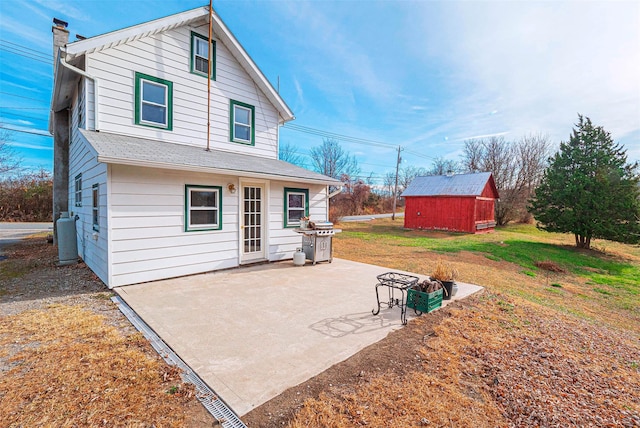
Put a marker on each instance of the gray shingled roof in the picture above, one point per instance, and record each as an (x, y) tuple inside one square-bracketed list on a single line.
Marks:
[(443, 185), (126, 150)]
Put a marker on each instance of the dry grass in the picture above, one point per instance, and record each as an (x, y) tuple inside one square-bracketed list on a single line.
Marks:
[(443, 271), (69, 368), (576, 295), (522, 354)]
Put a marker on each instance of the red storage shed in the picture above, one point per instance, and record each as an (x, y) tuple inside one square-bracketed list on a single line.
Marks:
[(461, 203)]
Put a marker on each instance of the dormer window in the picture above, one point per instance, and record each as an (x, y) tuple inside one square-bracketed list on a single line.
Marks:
[(242, 123), (154, 102), (200, 55)]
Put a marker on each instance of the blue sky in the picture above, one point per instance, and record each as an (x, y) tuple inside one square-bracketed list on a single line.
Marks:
[(425, 75)]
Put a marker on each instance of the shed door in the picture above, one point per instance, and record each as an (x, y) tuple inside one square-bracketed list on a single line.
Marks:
[(252, 235)]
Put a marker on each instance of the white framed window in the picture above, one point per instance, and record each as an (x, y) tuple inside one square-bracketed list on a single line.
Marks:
[(78, 190), (200, 55), (203, 208), (95, 207), (296, 206), (242, 122), (154, 102)]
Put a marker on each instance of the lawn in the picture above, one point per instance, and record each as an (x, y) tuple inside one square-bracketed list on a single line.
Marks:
[(602, 285), (537, 348)]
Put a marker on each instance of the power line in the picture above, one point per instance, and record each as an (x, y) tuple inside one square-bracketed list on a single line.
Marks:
[(21, 116), (46, 55), (22, 96), (342, 137), (357, 140), (308, 155), (39, 132), (24, 108), (420, 155), (8, 49)]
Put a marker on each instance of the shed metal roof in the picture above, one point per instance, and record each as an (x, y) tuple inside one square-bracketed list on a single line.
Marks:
[(135, 151), (448, 185)]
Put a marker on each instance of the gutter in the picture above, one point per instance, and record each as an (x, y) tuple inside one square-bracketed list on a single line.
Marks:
[(90, 77), (335, 193), (206, 169)]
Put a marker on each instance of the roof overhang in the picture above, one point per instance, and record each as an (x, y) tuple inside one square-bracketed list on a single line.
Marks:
[(141, 152), (213, 170)]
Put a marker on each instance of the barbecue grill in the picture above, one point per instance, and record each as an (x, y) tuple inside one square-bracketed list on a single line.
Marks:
[(317, 241)]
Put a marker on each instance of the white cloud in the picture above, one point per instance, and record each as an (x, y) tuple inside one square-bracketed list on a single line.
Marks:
[(299, 94), (31, 146), (26, 33), (64, 9), (473, 137), (345, 68), (538, 64), (19, 122)]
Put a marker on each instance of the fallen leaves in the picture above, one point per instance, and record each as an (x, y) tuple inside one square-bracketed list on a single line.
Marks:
[(66, 367), (497, 362)]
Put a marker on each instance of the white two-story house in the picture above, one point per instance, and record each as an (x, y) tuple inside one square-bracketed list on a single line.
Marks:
[(129, 118)]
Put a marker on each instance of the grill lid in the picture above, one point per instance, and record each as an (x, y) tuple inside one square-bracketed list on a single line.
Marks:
[(321, 225)]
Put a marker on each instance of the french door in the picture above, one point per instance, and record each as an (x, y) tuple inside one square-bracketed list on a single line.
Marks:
[(252, 223)]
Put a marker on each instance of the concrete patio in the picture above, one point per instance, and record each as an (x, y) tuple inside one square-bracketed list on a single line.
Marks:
[(253, 332)]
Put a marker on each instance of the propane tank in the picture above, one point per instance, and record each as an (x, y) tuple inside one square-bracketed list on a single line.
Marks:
[(67, 244), (299, 257)]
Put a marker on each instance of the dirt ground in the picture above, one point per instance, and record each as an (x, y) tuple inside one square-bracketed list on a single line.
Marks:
[(36, 295), (489, 361), (32, 281)]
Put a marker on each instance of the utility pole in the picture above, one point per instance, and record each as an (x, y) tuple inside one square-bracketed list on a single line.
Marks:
[(395, 190)]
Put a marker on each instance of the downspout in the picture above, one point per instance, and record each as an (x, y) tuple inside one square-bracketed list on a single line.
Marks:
[(95, 86), (335, 193), (331, 195)]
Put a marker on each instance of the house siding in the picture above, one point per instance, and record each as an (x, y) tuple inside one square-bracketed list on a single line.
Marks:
[(148, 239), (92, 245), (284, 241), (142, 235), (166, 56), (147, 220)]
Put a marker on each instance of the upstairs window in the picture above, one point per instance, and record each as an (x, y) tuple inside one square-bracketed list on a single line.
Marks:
[(78, 190), (296, 206), (242, 123), (203, 208), (154, 102), (200, 55)]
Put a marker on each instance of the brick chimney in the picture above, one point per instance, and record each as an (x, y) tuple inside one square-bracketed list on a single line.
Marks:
[(60, 38), (60, 130)]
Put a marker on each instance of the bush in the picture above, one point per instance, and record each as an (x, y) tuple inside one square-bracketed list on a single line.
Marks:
[(27, 197)]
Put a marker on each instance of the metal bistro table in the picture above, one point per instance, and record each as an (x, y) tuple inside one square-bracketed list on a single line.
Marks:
[(395, 281)]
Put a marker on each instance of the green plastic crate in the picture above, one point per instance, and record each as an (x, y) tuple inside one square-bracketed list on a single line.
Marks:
[(424, 302)]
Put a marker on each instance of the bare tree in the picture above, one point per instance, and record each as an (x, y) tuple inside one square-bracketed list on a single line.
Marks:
[(533, 152), (289, 153), (442, 166), (331, 160), (389, 181), (9, 159), (407, 175), (472, 157), (516, 167)]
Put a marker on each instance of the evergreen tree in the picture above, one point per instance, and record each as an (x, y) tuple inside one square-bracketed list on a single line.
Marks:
[(589, 189)]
